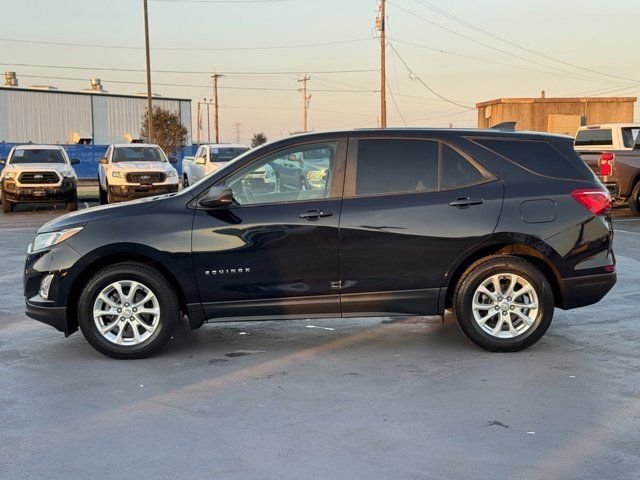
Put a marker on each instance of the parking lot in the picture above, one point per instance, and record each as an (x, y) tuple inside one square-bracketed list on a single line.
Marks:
[(342, 398)]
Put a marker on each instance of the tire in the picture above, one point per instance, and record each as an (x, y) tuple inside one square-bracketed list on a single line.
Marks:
[(110, 198), (7, 206), (634, 199), (514, 333), (72, 205), (103, 196), (153, 330), (185, 181)]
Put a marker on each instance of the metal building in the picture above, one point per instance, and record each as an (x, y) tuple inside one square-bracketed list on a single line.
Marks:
[(48, 115), (555, 115)]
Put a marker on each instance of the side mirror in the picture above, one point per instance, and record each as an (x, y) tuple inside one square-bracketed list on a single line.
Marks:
[(173, 160), (218, 196), (2, 161), (103, 160), (75, 161), (201, 160)]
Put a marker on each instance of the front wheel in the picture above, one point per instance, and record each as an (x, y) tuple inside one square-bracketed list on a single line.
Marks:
[(7, 206), (634, 199), (72, 205), (503, 304), (185, 181), (128, 311)]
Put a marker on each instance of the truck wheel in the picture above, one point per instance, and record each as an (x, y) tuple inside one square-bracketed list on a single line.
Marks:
[(110, 198), (503, 303), (72, 205), (7, 206), (634, 199), (128, 311), (103, 195), (185, 181)]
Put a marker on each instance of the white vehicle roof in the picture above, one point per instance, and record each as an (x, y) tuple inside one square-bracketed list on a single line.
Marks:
[(224, 145), (135, 145), (609, 125), (38, 147)]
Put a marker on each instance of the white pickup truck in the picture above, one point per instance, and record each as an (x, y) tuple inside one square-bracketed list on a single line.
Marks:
[(608, 136), (38, 174), (135, 170), (208, 159)]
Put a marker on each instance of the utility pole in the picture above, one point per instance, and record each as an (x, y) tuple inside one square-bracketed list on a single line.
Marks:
[(306, 98), (208, 121), (148, 55), (216, 119), (237, 126), (380, 26), (199, 125)]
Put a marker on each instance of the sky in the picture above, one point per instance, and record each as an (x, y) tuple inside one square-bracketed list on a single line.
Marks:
[(460, 52)]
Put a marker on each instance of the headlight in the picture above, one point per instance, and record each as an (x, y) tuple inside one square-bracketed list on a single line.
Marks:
[(46, 240), (8, 175), (67, 173), (118, 174), (171, 173)]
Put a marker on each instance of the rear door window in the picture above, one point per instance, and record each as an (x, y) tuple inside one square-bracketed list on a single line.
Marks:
[(457, 171), (600, 136), (630, 136), (388, 166), (538, 156)]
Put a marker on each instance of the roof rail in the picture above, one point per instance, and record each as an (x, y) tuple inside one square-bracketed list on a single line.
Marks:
[(505, 126)]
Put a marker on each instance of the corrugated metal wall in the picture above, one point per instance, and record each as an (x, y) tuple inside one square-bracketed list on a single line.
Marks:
[(53, 117)]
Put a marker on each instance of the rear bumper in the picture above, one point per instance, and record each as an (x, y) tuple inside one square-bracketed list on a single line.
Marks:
[(587, 290)]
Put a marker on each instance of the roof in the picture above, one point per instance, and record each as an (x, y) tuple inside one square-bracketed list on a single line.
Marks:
[(609, 125), (134, 145), (498, 101), (91, 93), (223, 145), (33, 146)]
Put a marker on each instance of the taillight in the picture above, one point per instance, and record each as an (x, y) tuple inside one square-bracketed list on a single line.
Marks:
[(606, 163), (596, 201)]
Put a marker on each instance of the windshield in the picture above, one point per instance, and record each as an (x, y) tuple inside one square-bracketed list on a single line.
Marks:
[(630, 136), (37, 156), (222, 155), (137, 154), (594, 137)]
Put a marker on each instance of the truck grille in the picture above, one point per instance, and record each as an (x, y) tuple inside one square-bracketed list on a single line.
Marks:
[(38, 178), (146, 178)]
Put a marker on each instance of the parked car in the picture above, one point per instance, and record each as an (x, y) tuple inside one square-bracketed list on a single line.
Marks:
[(618, 169), (38, 174), (135, 170), (608, 136), (501, 227), (208, 159)]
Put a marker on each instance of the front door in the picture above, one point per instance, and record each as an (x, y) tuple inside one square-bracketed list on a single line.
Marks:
[(411, 208), (274, 252)]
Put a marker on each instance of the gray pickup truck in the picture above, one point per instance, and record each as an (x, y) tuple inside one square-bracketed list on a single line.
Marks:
[(619, 171)]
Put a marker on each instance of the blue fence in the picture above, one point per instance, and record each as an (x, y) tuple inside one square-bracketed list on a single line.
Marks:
[(89, 155)]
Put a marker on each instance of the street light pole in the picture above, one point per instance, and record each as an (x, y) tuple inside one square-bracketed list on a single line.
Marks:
[(146, 46)]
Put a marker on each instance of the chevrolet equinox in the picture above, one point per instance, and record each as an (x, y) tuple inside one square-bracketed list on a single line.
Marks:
[(501, 227)]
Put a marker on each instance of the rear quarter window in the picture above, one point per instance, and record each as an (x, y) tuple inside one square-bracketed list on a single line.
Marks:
[(541, 157)]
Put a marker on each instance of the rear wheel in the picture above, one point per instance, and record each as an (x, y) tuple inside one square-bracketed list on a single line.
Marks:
[(634, 199), (503, 303), (7, 206), (128, 311)]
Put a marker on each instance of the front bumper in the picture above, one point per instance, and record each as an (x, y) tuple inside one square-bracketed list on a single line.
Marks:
[(15, 192), (586, 290), (45, 312), (140, 191)]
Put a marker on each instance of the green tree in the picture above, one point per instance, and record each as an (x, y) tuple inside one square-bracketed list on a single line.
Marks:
[(168, 130), (258, 139)]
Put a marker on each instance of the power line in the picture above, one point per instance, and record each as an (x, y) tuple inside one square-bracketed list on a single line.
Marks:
[(112, 69), (220, 1), (395, 104), (513, 44), (414, 77), (186, 49), (486, 45)]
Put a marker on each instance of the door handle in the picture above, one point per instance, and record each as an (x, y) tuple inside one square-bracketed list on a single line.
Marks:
[(315, 214), (466, 202)]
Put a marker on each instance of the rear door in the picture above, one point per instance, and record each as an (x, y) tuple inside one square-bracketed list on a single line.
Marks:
[(411, 208)]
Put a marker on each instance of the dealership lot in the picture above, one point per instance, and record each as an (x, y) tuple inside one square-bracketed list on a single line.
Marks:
[(375, 398)]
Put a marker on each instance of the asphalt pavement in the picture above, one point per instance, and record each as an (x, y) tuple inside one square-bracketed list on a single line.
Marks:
[(323, 399)]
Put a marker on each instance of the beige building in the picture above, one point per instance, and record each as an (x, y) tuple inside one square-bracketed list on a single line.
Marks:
[(555, 115)]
